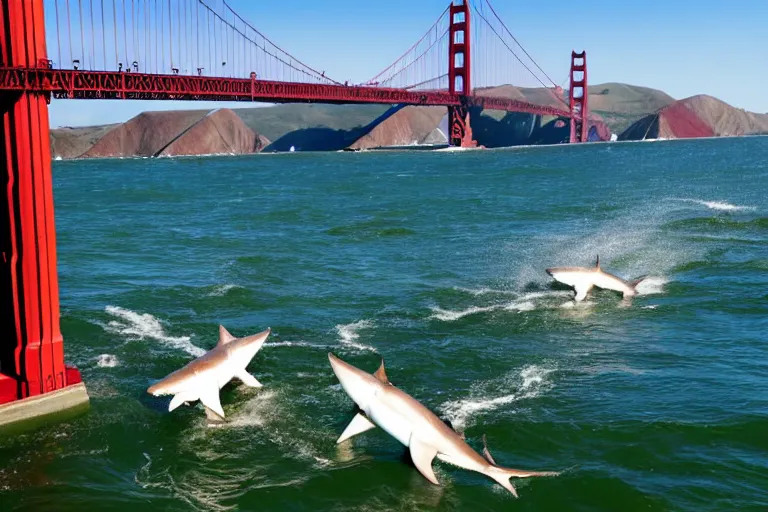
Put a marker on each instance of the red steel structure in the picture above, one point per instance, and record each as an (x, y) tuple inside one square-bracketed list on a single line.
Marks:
[(31, 347), (579, 97), (459, 75), (191, 50)]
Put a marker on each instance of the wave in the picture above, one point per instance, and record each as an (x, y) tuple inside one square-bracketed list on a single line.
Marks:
[(222, 289), (107, 361), (633, 243), (483, 291), (652, 285), (490, 395), (139, 326), (349, 333), (717, 205), (522, 303), (306, 344), (449, 316)]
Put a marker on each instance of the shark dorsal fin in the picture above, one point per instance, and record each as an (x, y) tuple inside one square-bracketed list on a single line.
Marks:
[(381, 374), (224, 336), (486, 453), (597, 263)]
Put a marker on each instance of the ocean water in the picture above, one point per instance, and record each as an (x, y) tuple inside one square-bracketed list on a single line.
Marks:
[(435, 262)]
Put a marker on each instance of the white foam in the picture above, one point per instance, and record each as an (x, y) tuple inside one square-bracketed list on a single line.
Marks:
[(545, 295), (651, 285), (530, 382), (349, 333), (222, 289), (525, 302), (718, 205), (450, 316), (521, 306), (107, 361), (278, 344), (139, 326), (484, 291), (631, 242), (256, 412)]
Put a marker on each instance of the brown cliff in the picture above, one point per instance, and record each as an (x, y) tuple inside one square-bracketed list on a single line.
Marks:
[(219, 132), (407, 126), (145, 135)]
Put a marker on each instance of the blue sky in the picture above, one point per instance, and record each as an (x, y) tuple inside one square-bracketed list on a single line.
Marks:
[(683, 47)]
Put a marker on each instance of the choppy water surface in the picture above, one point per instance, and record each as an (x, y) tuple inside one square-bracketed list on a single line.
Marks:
[(436, 262)]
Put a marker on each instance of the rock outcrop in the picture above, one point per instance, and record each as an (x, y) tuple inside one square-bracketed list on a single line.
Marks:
[(144, 135), (168, 133), (219, 132), (406, 126)]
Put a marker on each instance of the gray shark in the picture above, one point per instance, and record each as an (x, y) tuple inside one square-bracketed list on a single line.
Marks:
[(583, 279), (202, 378), (427, 436)]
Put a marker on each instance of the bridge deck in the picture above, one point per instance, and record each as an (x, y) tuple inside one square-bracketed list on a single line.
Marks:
[(79, 84)]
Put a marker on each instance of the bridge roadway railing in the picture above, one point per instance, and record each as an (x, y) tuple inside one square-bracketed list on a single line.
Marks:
[(80, 84)]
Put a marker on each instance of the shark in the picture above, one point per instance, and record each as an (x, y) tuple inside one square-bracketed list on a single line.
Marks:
[(202, 378), (380, 403), (583, 279)]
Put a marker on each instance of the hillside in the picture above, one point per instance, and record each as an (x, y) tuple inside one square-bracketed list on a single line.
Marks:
[(636, 111), (70, 142), (219, 132), (144, 135), (620, 105), (407, 125), (697, 116), (311, 127)]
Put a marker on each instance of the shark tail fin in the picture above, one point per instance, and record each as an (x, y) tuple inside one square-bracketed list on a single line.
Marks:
[(597, 262), (633, 286), (637, 281), (502, 474)]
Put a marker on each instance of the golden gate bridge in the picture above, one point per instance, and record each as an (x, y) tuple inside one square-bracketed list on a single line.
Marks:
[(199, 50)]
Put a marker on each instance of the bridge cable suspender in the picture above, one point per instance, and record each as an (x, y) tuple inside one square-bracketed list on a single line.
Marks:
[(58, 34), (518, 42)]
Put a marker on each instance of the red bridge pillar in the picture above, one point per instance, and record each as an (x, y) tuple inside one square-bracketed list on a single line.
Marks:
[(579, 97), (459, 74), (31, 347)]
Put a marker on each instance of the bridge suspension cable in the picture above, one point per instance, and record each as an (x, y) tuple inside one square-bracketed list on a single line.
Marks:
[(172, 37), (424, 66), (500, 59)]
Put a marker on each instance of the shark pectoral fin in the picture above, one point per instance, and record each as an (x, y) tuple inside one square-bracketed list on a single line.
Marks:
[(210, 398), (422, 455), (212, 416), (581, 291), (179, 399), (248, 379), (487, 453), (358, 425)]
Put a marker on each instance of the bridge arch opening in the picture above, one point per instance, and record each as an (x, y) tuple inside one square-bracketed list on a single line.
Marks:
[(458, 60), (459, 84)]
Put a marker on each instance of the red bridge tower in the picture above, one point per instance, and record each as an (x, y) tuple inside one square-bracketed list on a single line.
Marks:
[(579, 97), (33, 378), (459, 74)]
